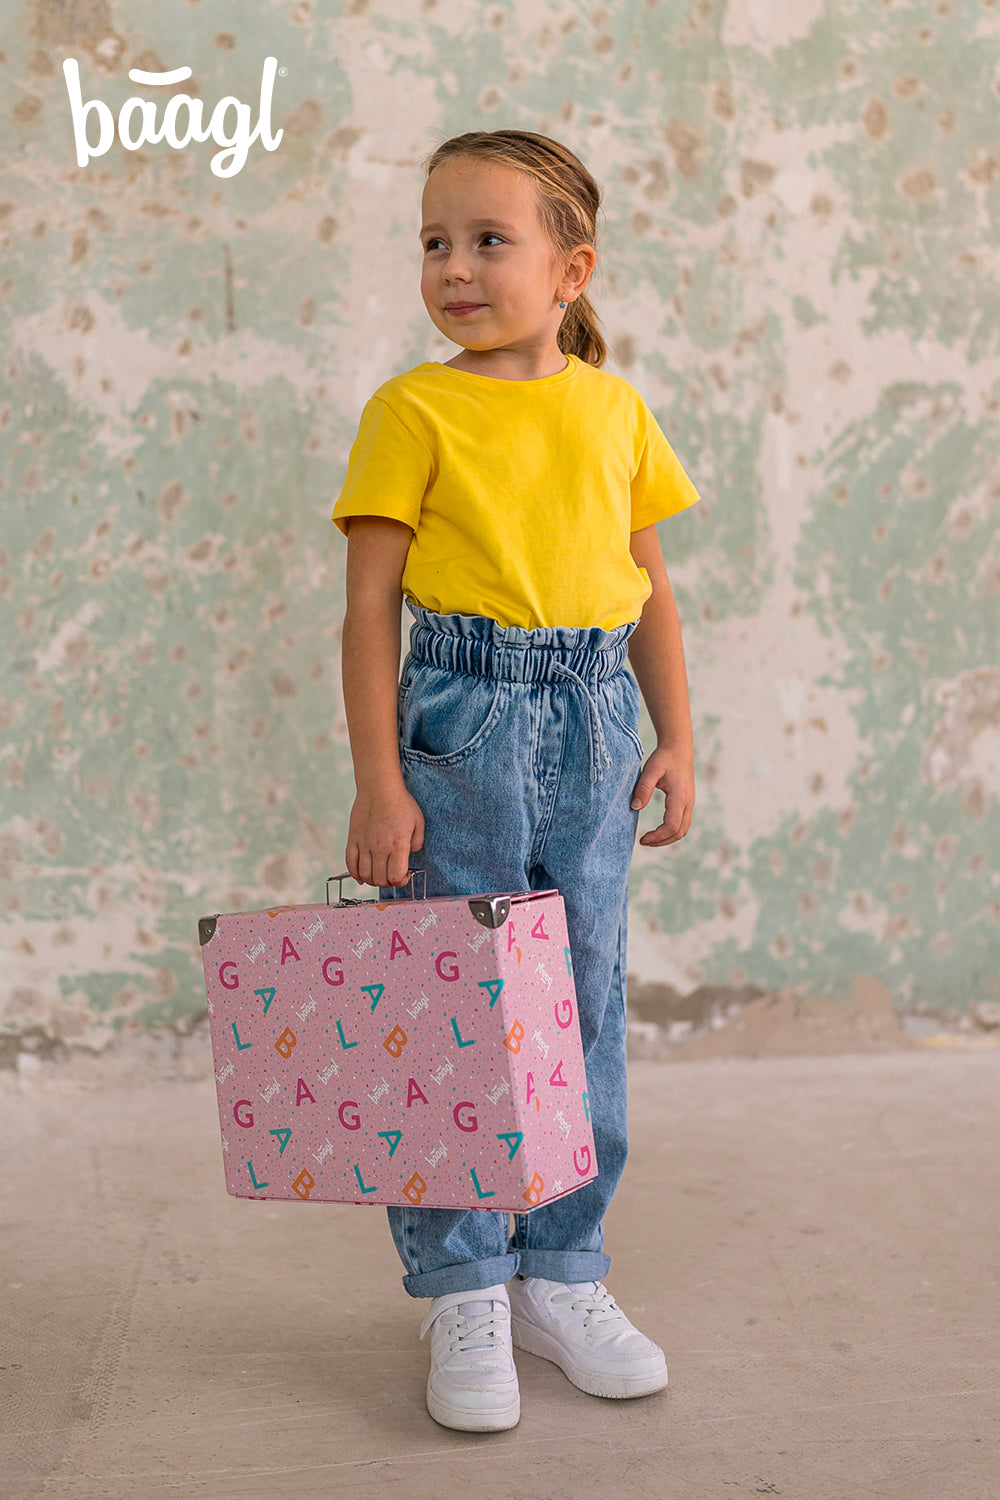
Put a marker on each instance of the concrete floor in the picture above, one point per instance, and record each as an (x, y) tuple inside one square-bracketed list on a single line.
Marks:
[(812, 1240)]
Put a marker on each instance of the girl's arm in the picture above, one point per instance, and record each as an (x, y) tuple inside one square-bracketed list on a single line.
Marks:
[(386, 823), (656, 654), (655, 649)]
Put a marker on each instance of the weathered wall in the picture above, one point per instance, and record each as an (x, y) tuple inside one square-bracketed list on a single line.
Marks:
[(798, 269)]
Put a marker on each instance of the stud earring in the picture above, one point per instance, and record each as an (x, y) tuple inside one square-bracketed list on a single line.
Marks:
[(562, 304)]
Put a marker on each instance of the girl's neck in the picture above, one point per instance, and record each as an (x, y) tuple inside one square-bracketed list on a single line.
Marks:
[(504, 367)]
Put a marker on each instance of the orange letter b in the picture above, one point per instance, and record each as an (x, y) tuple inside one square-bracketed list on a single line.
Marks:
[(303, 1184), (533, 1192), (415, 1188), (514, 1037), (395, 1042), (286, 1042)]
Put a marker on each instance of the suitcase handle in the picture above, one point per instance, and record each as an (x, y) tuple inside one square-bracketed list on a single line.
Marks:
[(346, 901)]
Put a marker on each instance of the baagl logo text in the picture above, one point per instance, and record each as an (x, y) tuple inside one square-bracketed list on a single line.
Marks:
[(236, 145)]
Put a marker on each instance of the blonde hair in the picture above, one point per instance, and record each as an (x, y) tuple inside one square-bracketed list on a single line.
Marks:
[(567, 202)]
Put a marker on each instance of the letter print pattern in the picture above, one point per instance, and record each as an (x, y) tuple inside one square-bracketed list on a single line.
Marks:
[(399, 1053)]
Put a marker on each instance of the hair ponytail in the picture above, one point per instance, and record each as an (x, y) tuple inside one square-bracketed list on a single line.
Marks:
[(568, 200)]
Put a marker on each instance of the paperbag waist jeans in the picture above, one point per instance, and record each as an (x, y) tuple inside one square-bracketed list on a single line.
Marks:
[(521, 748)]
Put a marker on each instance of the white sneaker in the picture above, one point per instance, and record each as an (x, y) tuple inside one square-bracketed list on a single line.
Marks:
[(473, 1380), (581, 1328)]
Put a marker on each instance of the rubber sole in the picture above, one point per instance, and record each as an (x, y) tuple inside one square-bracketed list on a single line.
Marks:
[(616, 1387), (462, 1420)]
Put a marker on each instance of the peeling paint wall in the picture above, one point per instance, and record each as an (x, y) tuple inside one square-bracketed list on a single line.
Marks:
[(798, 269)]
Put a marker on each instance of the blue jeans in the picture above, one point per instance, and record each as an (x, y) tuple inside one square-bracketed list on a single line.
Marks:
[(521, 749)]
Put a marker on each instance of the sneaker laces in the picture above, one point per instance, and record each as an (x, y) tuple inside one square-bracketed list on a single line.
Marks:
[(481, 1330), (471, 1330), (594, 1299)]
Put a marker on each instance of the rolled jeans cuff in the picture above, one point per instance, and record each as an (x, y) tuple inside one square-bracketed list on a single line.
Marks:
[(467, 1276), (565, 1265)]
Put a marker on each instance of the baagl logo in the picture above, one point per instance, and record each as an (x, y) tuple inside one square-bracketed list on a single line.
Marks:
[(236, 145)]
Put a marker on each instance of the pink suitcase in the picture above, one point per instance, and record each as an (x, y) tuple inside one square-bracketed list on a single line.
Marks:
[(399, 1052)]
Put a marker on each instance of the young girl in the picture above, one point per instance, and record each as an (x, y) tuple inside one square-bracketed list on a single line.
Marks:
[(512, 495)]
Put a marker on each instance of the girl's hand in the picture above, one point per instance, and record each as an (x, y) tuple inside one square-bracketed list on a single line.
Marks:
[(671, 769), (386, 827)]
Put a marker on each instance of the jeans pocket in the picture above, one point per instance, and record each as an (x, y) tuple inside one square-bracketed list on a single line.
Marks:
[(623, 707), (446, 716)]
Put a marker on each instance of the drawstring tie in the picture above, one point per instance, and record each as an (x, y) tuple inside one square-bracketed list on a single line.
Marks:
[(599, 757)]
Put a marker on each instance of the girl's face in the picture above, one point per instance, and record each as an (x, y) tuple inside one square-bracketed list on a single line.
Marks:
[(483, 244)]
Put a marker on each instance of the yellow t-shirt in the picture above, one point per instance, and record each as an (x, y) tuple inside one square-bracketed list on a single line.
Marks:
[(521, 494)]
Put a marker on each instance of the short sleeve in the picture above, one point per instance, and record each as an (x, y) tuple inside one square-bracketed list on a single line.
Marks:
[(388, 469), (660, 487)]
